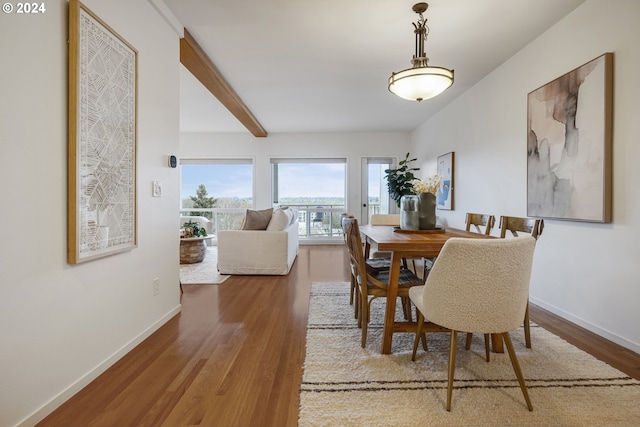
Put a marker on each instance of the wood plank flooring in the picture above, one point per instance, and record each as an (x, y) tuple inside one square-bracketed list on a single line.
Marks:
[(234, 356)]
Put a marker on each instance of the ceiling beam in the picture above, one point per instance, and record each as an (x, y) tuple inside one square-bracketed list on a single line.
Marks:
[(194, 58)]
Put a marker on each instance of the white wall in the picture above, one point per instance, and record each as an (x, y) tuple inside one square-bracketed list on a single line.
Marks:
[(61, 324), (352, 146), (587, 273)]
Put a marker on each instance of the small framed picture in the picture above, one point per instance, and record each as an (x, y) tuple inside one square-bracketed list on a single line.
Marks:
[(445, 192)]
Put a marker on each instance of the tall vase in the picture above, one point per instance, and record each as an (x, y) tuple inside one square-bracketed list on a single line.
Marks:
[(427, 209), (409, 213)]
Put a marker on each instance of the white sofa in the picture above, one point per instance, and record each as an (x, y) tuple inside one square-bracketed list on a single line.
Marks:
[(271, 251)]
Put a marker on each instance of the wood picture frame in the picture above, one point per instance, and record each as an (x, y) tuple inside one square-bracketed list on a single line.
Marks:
[(103, 73), (569, 145), (445, 168)]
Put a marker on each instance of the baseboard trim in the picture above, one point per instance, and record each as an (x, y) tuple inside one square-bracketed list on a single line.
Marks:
[(46, 409), (635, 347)]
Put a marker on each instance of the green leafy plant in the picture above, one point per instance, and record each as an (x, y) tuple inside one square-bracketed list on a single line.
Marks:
[(196, 229), (399, 180)]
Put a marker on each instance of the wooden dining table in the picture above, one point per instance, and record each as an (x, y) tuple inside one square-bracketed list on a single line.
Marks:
[(409, 244)]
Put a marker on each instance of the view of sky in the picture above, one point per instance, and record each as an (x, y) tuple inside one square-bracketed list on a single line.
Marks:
[(311, 180), (376, 184), (231, 180), (235, 180)]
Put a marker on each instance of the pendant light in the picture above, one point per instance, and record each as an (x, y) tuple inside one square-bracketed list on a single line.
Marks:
[(421, 81)]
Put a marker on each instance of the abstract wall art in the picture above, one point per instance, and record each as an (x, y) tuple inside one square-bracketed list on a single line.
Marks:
[(569, 131), (102, 139), (444, 198)]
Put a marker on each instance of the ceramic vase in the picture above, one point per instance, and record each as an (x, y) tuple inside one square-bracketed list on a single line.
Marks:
[(409, 214), (427, 211)]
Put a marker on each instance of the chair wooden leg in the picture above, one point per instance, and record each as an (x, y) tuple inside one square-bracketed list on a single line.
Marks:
[(418, 335), (406, 309), (487, 339), (424, 342), (516, 368), (467, 344), (357, 307), (452, 367), (527, 331), (364, 318), (352, 290)]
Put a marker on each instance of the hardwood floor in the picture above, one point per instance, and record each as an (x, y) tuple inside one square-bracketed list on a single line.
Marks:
[(615, 355), (234, 356)]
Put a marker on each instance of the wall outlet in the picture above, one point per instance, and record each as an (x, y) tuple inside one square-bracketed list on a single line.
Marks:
[(156, 287)]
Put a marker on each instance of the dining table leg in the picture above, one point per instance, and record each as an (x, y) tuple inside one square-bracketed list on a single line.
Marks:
[(497, 343), (392, 294)]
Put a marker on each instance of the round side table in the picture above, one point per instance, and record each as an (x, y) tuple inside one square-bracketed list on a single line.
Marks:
[(193, 249)]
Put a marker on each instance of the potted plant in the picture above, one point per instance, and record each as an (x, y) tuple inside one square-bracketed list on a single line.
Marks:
[(194, 229), (399, 180)]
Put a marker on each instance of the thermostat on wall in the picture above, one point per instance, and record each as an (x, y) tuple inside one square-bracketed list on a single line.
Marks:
[(173, 161)]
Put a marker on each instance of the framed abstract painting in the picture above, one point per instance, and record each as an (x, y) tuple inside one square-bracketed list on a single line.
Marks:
[(569, 138), (102, 139), (444, 198)]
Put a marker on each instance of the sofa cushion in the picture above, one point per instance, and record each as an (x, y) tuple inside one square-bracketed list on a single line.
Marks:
[(257, 220), (280, 219)]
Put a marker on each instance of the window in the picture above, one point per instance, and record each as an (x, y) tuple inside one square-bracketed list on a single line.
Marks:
[(316, 188), (219, 189)]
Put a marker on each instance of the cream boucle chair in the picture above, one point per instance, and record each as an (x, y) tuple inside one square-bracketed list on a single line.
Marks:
[(383, 219), (392, 220), (476, 221), (477, 285), (534, 227)]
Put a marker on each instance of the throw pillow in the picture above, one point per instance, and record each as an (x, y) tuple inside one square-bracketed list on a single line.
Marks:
[(257, 220), (279, 220), (293, 215)]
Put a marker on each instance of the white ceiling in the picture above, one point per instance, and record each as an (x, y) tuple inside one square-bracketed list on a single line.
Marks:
[(323, 65)]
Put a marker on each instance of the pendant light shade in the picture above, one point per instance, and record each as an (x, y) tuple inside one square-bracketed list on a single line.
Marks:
[(421, 81)]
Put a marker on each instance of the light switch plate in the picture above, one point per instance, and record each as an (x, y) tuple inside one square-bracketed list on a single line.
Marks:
[(157, 189)]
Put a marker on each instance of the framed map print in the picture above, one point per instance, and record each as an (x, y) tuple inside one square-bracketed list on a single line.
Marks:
[(102, 139)]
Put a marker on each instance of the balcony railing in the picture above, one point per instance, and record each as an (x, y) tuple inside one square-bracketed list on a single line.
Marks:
[(314, 222)]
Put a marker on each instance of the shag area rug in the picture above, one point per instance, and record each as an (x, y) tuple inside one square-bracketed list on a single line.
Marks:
[(346, 385), (203, 273)]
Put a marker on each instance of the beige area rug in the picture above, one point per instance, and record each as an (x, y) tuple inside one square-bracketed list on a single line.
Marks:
[(346, 385), (203, 273)]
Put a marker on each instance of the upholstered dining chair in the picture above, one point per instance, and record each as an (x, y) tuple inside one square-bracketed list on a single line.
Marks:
[(383, 219), (473, 223), (517, 225), (374, 284), (477, 285)]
